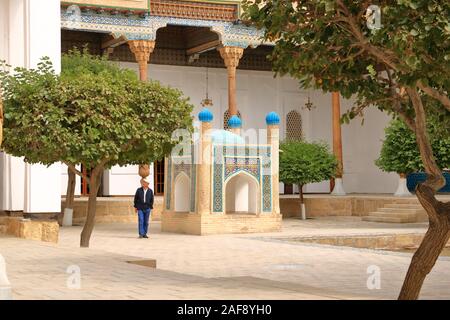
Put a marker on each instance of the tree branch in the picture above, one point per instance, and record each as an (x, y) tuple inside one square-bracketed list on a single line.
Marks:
[(77, 172), (435, 178), (397, 103), (386, 56), (442, 98)]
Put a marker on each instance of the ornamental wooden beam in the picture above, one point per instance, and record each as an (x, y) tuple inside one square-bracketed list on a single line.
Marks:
[(203, 47), (112, 43)]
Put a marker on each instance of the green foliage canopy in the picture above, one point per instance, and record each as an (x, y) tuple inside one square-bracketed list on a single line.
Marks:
[(327, 44), (302, 162), (94, 113), (400, 152)]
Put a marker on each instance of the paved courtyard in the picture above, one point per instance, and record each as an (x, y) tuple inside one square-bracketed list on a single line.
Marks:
[(251, 266)]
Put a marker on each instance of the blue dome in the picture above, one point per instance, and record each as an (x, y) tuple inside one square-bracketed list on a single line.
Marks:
[(234, 122), (205, 115), (226, 137), (272, 119)]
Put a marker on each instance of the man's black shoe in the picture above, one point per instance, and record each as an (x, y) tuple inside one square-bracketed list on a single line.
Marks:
[(146, 237)]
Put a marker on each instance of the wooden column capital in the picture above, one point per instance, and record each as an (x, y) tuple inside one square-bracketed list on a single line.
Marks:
[(231, 56), (142, 49)]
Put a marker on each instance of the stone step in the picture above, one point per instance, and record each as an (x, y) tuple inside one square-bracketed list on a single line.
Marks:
[(400, 210), (412, 200), (403, 206), (388, 219), (393, 214)]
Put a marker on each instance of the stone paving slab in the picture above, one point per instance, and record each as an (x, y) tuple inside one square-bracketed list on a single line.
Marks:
[(255, 266), (39, 271)]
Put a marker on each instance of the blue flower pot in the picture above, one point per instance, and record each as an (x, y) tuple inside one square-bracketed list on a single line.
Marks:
[(415, 178)]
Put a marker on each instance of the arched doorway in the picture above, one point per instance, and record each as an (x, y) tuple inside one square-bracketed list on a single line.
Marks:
[(242, 195), (182, 193)]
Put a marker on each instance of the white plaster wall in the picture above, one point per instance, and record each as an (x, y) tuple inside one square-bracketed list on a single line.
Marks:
[(361, 147), (4, 29), (260, 93), (43, 35), (182, 193), (241, 194), (12, 175), (121, 181), (25, 38), (65, 180)]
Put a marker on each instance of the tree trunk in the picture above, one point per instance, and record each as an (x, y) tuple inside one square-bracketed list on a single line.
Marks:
[(302, 202), (67, 216), (300, 193), (70, 194), (94, 184), (433, 243), (438, 232)]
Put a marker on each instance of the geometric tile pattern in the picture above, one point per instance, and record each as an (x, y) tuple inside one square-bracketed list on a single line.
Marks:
[(254, 160), (145, 28)]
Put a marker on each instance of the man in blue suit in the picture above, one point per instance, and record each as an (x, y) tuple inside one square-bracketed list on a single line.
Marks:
[(143, 204)]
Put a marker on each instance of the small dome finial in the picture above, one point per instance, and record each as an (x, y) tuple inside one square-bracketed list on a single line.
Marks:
[(234, 122), (272, 119), (205, 115)]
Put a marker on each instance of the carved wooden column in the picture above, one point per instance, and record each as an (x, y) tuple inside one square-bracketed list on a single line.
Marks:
[(142, 49), (231, 57), (337, 143)]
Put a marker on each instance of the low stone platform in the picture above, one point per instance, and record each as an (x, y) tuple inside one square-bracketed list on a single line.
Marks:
[(41, 230), (196, 224), (112, 210), (370, 241), (120, 209), (322, 205)]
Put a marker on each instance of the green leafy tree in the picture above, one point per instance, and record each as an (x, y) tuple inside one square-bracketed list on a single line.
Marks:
[(399, 152), (97, 119), (302, 163), (395, 66)]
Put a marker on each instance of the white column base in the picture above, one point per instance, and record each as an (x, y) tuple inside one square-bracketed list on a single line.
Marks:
[(68, 217), (402, 189), (303, 209), (5, 286), (338, 188)]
